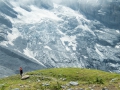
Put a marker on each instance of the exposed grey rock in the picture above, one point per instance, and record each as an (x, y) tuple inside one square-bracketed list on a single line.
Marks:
[(105, 88), (73, 83), (38, 80), (63, 79), (46, 84), (63, 86), (113, 80), (81, 89), (16, 89), (69, 89)]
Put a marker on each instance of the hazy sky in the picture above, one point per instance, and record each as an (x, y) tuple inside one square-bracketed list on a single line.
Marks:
[(65, 2)]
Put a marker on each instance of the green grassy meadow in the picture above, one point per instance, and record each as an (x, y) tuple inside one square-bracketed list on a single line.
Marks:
[(60, 78)]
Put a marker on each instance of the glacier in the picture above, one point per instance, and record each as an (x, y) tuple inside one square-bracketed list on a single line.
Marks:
[(39, 34)]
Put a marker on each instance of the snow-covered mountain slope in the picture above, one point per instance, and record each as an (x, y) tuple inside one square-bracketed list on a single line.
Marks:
[(56, 33)]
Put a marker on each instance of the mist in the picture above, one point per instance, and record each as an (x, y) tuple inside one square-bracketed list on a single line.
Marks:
[(70, 3), (88, 2), (64, 2)]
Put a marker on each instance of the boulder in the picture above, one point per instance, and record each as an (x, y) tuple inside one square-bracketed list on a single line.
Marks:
[(73, 83), (25, 77)]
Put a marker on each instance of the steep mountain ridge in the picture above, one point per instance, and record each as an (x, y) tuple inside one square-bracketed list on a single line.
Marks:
[(60, 34), (11, 60)]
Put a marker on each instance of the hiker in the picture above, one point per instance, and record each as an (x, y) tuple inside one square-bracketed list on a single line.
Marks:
[(21, 71)]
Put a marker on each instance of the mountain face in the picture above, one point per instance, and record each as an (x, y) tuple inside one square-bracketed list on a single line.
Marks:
[(40, 34)]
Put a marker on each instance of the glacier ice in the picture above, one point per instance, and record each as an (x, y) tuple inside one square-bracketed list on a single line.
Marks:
[(59, 33)]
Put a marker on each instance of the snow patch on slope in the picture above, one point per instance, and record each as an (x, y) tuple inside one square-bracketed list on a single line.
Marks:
[(96, 49), (31, 54), (71, 42), (117, 46), (36, 15), (11, 37), (117, 31), (47, 47)]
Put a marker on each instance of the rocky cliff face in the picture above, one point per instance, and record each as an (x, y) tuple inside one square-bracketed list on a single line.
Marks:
[(49, 34)]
